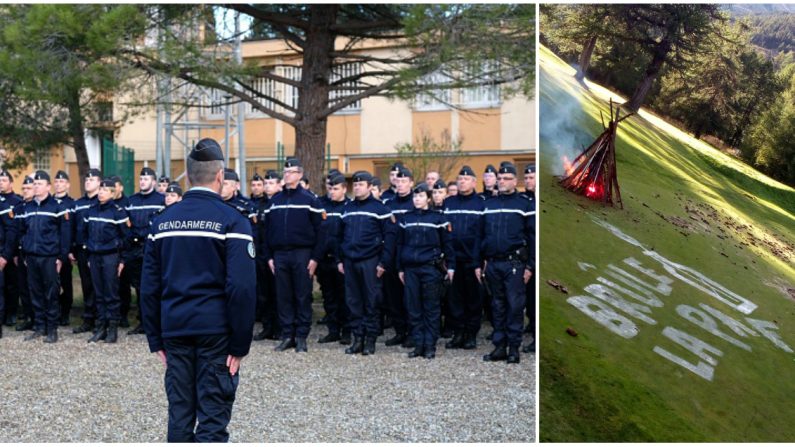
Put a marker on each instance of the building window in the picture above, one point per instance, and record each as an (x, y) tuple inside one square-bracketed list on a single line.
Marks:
[(41, 161), (290, 92), (435, 98), (347, 88), (104, 112), (486, 95), (214, 107), (266, 87)]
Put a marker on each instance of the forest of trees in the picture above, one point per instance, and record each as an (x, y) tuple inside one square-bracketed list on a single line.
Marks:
[(728, 73)]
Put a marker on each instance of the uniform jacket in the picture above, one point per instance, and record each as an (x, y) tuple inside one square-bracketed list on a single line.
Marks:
[(8, 230), (388, 194), (79, 210), (509, 224), (331, 224), (44, 228), (423, 238), (106, 230), (399, 206), (363, 229), (292, 220), (465, 214), (198, 273), (141, 208), (245, 208), (12, 198)]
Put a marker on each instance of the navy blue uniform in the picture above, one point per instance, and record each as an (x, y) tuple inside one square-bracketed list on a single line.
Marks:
[(106, 234), (79, 211), (8, 235), (293, 237), (394, 306), (11, 284), (66, 297), (198, 301), (21, 268), (465, 213), (361, 249), (424, 255), (388, 194), (266, 282), (509, 249), (140, 207), (45, 236), (332, 282), (530, 289)]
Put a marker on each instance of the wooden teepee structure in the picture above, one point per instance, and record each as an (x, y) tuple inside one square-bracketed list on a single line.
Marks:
[(593, 173)]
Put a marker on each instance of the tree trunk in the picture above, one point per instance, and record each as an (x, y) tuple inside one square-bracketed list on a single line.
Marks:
[(661, 52), (737, 136), (585, 58), (313, 98), (77, 132)]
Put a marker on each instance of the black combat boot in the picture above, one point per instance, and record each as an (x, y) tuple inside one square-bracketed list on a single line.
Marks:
[(457, 342), (139, 329), (330, 338), (285, 344), (430, 352), (346, 338), (64, 320), (408, 342), (34, 335), (100, 332), (357, 347), (52, 335), (396, 340), (369, 346), (417, 352), (263, 334), (498, 354), (530, 347), (87, 326), (25, 325), (113, 332), (300, 345), (513, 354), (470, 340)]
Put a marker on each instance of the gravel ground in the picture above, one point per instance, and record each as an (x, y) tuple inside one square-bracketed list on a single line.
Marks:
[(78, 392)]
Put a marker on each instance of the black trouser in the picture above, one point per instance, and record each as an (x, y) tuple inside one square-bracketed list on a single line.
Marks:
[(2, 297), (423, 293), (43, 282), (104, 274), (393, 304), (131, 276), (199, 388), (506, 281), (362, 296), (332, 286), (266, 299), (66, 297), (89, 306), (11, 289), (23, 289), (293, 292), (465, 303)]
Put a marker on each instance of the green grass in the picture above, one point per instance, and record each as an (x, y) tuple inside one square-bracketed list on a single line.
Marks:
[(598, 386)]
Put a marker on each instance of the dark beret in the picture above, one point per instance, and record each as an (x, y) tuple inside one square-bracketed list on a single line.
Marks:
[(207, 149), (273, 175), (163, 179), (41, 175), (146, 170), (440, 184), (5, 173), (362, 176), (292, 162), (490, 168), (108, 182), (507, 168), (256, 178), (376, 182), (230, 174), (27, 180), (466, 170), (422, 187), (405, 172), (174, 187), (93, 172), (396, 166), (529, 169), (115, 178), (62, 175), (336, 179)]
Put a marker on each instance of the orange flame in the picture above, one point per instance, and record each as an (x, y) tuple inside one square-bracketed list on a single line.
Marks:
[(567, 166)]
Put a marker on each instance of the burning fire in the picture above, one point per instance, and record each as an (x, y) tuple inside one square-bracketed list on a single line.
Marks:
[(567, 166)]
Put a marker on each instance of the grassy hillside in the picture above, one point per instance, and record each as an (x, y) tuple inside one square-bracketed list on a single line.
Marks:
[(689, 204)]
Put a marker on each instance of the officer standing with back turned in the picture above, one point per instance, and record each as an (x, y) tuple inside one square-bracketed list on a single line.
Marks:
[(199, 297)]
